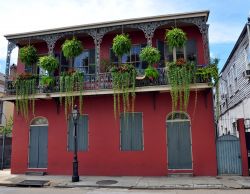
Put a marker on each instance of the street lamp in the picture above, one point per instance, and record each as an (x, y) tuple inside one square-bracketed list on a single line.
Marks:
[(75, 115)]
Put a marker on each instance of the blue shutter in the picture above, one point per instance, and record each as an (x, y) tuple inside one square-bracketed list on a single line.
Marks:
[(191, 51), (82, 134), (136, 131), (131, 132)]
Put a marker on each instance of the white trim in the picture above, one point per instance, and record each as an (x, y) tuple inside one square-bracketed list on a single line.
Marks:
[(164, 88)]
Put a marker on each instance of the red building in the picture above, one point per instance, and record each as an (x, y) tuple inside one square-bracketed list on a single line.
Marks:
[(157, 142)]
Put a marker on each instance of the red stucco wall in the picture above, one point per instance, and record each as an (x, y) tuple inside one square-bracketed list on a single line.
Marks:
[(104, 156)]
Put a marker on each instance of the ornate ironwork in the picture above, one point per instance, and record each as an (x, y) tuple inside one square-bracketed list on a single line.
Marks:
[(200, 22), (51, 41), (10, 47)]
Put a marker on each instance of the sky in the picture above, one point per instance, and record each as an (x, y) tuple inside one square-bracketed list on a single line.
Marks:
[(227, 17)]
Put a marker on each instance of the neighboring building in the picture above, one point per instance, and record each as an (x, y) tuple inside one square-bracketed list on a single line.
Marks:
[(158, 142), (6, 108), (235, 85)]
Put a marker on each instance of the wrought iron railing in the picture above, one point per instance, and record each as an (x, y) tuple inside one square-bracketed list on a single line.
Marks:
[(102, 81)]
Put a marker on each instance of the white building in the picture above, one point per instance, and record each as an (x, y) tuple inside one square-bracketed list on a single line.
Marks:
[(235, 85)]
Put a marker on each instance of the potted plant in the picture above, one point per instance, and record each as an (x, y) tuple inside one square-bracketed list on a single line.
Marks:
[(151, 55), (28, 55), (48, 63), (71, 49), (176, 38), (151, 73), (47, 82)]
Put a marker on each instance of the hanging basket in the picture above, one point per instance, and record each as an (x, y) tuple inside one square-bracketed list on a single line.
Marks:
[(121, 44), (28, 55), (72, 48), (176, 38)]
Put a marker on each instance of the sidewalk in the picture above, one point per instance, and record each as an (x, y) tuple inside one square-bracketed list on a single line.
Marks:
[(132, 182)]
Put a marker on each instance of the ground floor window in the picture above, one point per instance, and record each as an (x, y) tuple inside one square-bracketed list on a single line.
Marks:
[(82, 133), (131, 131)]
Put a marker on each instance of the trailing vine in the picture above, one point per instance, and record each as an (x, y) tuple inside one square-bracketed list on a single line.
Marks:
[(123, 76), (123, 84), (180, 78), (210, 73), (25, 90), (70, 82)]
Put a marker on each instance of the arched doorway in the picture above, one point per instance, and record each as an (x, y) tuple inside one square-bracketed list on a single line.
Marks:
[(179, 145), (38, 143)]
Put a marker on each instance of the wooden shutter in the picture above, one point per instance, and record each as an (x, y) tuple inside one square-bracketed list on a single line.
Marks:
[(131, 131), (82, 134)]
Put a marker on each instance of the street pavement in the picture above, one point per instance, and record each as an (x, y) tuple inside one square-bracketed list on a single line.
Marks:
[(15, 190)]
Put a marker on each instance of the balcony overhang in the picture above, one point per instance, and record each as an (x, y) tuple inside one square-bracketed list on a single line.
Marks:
[(161, 89)]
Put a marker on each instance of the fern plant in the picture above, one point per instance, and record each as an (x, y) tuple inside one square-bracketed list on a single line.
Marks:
[(175, 37), (49, 63), (28, 55)]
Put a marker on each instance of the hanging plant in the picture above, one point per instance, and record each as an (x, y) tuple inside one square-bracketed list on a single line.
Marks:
[(151, 73), (69, 83), (48, 63), (175, 38), (25, 86), (121, 45), (210, 73), (124, 84), (28, 55), (72, 48), (180, 78), (150, 55)]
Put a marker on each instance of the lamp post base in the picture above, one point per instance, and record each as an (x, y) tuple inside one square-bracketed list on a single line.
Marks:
[(75, 177)]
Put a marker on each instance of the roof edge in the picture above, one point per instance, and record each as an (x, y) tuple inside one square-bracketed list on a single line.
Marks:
[(204, 13)]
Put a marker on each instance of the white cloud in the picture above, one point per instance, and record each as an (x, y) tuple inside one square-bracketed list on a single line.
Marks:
[(224, 32)]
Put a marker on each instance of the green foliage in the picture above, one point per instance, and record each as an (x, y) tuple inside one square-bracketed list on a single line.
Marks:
[(69, 83), (7, 128), (180, 78), (175, 38), (28, 55), (25, 90), (47, 80), (150, 54), (121, 45), (151, 72), (72, 48), (124, 83), (49, 63), (211, 74)]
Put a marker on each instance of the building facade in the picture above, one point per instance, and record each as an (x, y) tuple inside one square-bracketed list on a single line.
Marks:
[(235, 86), (107, 146)]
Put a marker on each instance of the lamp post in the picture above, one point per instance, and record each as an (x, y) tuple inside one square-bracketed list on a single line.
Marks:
[(75, 115)]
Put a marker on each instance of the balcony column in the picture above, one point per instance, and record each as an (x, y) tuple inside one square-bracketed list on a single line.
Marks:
[(203, 27), (10, 47), (204, 31), (149, 29), (51, 41), (97, 35)]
